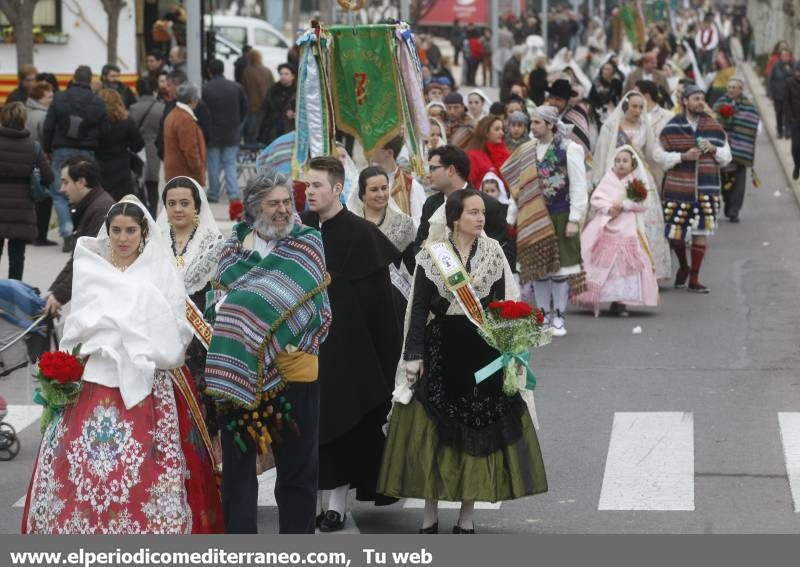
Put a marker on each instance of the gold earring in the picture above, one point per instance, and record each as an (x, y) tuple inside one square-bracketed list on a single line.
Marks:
[(141, 245), (196, 218)]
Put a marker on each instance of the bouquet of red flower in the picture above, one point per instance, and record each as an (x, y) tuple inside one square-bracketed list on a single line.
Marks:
[(637, 192), (235, 210), (59, 377), (513, 328)]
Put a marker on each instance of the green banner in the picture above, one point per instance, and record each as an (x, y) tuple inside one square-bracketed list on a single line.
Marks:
[(365, 84)]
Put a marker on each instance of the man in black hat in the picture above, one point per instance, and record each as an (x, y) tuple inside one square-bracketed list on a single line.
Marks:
[(459, 124), (561, 95)]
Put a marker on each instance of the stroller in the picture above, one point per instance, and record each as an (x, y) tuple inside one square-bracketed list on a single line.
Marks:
[(32, 334)]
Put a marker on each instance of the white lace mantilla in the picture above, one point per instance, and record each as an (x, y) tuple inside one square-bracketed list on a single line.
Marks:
[(488, 265), (398, 228), (201, 260)]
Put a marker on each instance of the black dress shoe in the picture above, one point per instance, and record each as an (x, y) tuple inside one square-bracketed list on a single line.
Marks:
[(432, 529), (332, 522), (698, 288), (459, 530), (69, 244), (734, 218), (45, 243), (796, 173)]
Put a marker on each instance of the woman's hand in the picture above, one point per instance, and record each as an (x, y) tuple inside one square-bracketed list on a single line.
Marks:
[(414, 370)]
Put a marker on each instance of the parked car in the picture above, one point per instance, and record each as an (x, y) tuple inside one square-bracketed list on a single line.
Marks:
[(257, 33)]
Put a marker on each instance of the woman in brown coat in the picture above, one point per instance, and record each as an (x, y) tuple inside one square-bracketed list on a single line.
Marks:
[(17, 213)]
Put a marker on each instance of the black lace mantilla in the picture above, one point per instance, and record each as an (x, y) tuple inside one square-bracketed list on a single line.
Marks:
[(478, 425)]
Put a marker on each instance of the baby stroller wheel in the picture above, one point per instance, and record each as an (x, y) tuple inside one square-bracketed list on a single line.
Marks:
[(9, 442)]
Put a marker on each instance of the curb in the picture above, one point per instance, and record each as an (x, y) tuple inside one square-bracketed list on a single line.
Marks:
[(765, 109)]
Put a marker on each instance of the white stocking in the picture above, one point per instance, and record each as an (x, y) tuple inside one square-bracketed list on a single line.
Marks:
[(431, 515), (542, 290), (560, 295), (338, 501), (466, 514), (321, 495)]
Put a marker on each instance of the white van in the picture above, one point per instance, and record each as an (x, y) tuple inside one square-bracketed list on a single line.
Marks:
[(257, 33)]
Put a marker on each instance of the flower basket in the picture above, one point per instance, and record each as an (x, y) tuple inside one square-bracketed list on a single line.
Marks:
[(512, 328), (58, 375)]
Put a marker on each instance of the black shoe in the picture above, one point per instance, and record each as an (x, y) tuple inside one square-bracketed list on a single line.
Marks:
[(320, 517), (734, 218), (432, 529), (681, 277), (459, 530), (45, 243), (698, 288), (69, 244), (796, 173), (332, 522)]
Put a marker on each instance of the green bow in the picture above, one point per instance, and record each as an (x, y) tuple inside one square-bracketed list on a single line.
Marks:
[(503, 361)]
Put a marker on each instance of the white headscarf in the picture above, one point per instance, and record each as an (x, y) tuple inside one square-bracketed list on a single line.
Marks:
[(487, 103), (442, 131), (204, 249), (129, 323), (604, 151)]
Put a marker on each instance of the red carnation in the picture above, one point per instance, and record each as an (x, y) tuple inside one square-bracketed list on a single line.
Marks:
[(727, 110), (540, 316), (60, 367), (235, 210), (524, 309), (496, 305)]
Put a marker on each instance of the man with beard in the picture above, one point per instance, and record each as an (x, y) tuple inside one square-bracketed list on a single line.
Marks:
[(547, 178), (691, 189), (270, 313), (359, 358)]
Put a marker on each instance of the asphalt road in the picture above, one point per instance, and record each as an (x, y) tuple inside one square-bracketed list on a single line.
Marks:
[(707, 376)]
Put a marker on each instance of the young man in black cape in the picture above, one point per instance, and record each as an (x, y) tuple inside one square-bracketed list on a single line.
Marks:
[(357, 361)]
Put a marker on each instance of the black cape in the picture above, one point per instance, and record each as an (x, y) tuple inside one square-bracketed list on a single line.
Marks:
[(357, 361)]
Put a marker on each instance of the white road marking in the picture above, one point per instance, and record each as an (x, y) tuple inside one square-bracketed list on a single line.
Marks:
[(789, 423), (419, 503), (21, 416), (650, 462)]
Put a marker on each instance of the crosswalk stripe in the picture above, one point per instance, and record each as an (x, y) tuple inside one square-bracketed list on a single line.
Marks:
[(790, 438), (21, 416), (650, 462), (418, 503)]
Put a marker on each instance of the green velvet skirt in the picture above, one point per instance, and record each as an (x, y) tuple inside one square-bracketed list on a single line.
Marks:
[(416, 465)]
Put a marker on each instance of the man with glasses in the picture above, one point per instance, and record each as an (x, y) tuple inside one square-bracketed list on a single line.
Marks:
[(270, 313)]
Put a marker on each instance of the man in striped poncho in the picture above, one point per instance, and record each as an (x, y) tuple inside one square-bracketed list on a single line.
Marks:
[(740, 119), (691, 189)]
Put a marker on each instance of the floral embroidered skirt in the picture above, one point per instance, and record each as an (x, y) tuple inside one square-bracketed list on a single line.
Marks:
[(104, 469)]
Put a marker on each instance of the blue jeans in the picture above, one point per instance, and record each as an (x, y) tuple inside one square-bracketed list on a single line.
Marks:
[(251, 127), (222, 159), (60, 202)]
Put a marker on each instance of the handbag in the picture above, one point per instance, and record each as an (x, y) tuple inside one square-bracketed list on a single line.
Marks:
[(137, 164), (39, 191)]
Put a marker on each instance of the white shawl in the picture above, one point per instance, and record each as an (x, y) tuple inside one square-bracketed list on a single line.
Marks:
[(129, 323)]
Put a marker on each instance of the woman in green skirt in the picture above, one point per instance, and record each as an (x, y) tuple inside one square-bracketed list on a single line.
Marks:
[(450, 438)]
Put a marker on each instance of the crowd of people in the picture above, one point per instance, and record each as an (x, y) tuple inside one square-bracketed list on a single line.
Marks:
[(592, 180)]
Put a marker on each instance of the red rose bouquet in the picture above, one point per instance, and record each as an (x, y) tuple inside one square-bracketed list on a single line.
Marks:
[(636, 192), (513, 328), (58, 375)]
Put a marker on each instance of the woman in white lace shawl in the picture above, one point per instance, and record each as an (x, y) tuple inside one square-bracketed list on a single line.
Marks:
[(372, 200), (630, 124), (443, 425), (187, 225)]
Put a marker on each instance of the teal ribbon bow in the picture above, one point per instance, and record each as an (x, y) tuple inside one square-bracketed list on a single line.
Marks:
[(502, 361)]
